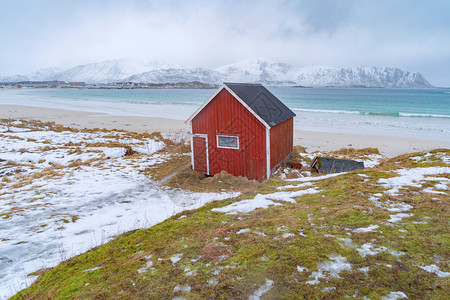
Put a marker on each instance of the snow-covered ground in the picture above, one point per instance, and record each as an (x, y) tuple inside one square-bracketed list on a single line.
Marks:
[(63, 193)]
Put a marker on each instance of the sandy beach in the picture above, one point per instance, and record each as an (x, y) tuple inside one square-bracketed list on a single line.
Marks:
[(321, 141)]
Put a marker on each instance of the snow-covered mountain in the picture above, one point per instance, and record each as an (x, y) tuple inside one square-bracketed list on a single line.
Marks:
[(259, 71), (252, 71), (106, 71), (110, 70), (173, 75), (273, 73)]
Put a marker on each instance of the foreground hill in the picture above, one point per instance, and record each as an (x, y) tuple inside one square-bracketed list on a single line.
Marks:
[(380, 232), (64, 191), (252, 71)]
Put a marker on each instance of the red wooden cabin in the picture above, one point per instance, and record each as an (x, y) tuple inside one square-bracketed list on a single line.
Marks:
[(242, 129)]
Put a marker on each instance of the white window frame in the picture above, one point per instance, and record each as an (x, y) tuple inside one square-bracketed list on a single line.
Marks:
[(218, 136)]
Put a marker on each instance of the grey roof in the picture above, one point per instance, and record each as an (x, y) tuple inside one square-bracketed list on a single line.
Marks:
[(334, 165), (262, 102)]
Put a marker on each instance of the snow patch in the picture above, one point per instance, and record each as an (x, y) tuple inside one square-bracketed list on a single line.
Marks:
[(150, 147), (293, 186), (245, 206), (113, 152), (93, 269), (369, 249), (398, 217), (182, 288), (316, 178), (435, 270), (399, 207), (263, 201), (347, 243), (262, 290), (189, 272), (410, 177), (395, 296), (302, 269), (330, 269), (364, 270), (372, 160), (147, 266), (328, 289), (176, 258), (431, 191), (288, 235), (366, 229)]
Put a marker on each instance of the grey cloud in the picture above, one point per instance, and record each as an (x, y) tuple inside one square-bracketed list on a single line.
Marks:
[(408, 34)]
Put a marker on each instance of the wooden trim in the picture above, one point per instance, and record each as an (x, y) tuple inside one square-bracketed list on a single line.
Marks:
[(235, 96), (268, 152), (192, 149)]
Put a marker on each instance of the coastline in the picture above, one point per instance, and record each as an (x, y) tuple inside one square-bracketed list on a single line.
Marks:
[(311, 140)]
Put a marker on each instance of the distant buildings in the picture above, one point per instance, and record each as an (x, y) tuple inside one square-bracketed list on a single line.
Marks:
[(43, 84), (116, 85)]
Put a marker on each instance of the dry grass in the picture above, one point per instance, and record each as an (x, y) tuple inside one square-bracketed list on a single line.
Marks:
[(172, 164), (176, 171), (404, 160), (174, 145), (54, 171), (48, 148), (177, 148), (211, 245), (356, 153), (296, 155), (226, 181), (299, 149), (214, 251), (37, 125), (11, 163), (11, 137), (188, 179)]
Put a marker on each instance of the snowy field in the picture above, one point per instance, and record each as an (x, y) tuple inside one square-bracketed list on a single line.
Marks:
[(62, 193)]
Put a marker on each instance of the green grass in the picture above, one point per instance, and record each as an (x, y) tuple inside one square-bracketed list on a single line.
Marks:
[(217, 262)]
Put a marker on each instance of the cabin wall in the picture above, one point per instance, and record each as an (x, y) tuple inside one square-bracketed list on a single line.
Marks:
[(281, 142), (226, 115)]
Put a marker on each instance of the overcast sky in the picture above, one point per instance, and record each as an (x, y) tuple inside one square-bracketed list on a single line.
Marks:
[(411, 35)]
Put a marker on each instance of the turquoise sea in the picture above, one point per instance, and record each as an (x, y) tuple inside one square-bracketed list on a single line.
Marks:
[(415, 113)]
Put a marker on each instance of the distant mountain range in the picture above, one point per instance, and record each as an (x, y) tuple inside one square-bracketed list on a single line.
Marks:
[(251, 71)]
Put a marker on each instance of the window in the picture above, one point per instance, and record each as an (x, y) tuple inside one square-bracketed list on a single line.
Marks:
[(227, 141)]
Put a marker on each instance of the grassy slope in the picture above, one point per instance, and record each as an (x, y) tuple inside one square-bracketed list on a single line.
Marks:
[(217, 262)]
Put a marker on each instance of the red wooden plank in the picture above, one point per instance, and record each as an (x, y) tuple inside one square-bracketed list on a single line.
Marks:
[(281, 142)]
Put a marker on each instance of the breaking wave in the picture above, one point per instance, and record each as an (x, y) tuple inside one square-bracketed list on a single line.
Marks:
[(423, 115), (385, 114), (327, 111)]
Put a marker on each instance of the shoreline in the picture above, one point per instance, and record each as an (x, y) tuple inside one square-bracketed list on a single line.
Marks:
[(311, 140)]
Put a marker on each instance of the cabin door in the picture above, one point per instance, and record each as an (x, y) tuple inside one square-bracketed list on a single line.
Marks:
[(200, 159)]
